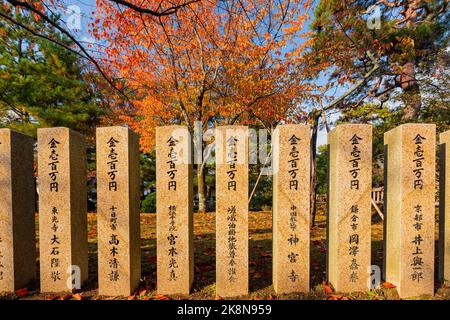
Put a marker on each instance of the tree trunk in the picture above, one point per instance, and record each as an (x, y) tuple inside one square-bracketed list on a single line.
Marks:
[(411, 93), (201, 188), (313, 192)]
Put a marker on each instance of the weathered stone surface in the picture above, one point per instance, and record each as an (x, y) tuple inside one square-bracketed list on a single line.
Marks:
[(118, 208), (291, 218), (232, 211), (349, 207), (410, 208), (62, 209), (174, 220), (444, 208), (17, 211)]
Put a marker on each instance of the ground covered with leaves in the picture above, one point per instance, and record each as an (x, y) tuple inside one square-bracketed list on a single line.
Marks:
[(260, 264)]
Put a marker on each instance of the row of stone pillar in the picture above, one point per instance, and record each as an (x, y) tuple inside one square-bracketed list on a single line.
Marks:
[(63, 243), (409, 209)]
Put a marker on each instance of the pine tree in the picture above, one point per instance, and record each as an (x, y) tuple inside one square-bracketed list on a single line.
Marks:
[(43, 84)]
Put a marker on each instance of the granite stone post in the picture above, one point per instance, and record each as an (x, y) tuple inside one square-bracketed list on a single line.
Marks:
[(291, 216), (444, 208), (410, 208), (17, 211), (118, 209), (62, 209), (349, 207), (174, 219), (232, 277)]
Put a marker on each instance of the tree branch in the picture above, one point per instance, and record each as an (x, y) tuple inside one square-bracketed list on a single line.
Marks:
[(26, 28), (155, 13), (33, 9), (357, 84)]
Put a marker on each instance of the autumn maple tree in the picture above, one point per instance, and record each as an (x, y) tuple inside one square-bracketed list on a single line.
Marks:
[(46, 13), (217, 62)]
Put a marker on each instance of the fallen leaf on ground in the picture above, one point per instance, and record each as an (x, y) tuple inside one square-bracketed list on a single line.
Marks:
[(389, 285), (77, 296), (22, 292), (142, 292), (327, 288)]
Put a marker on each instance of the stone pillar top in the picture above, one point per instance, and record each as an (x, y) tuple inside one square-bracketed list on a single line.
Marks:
[(444, 137)]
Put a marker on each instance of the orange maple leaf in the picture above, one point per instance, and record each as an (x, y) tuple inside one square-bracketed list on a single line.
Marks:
[(389, 285), (77, 296), (326, 288), (22, 292)]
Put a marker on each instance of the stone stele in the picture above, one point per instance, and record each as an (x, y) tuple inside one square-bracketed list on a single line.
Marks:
[(118, 208), (291, 194), (232, 211), (410, 208), (444, 208), (349, 207), (174, 219), (62, 209), (17, 211)]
